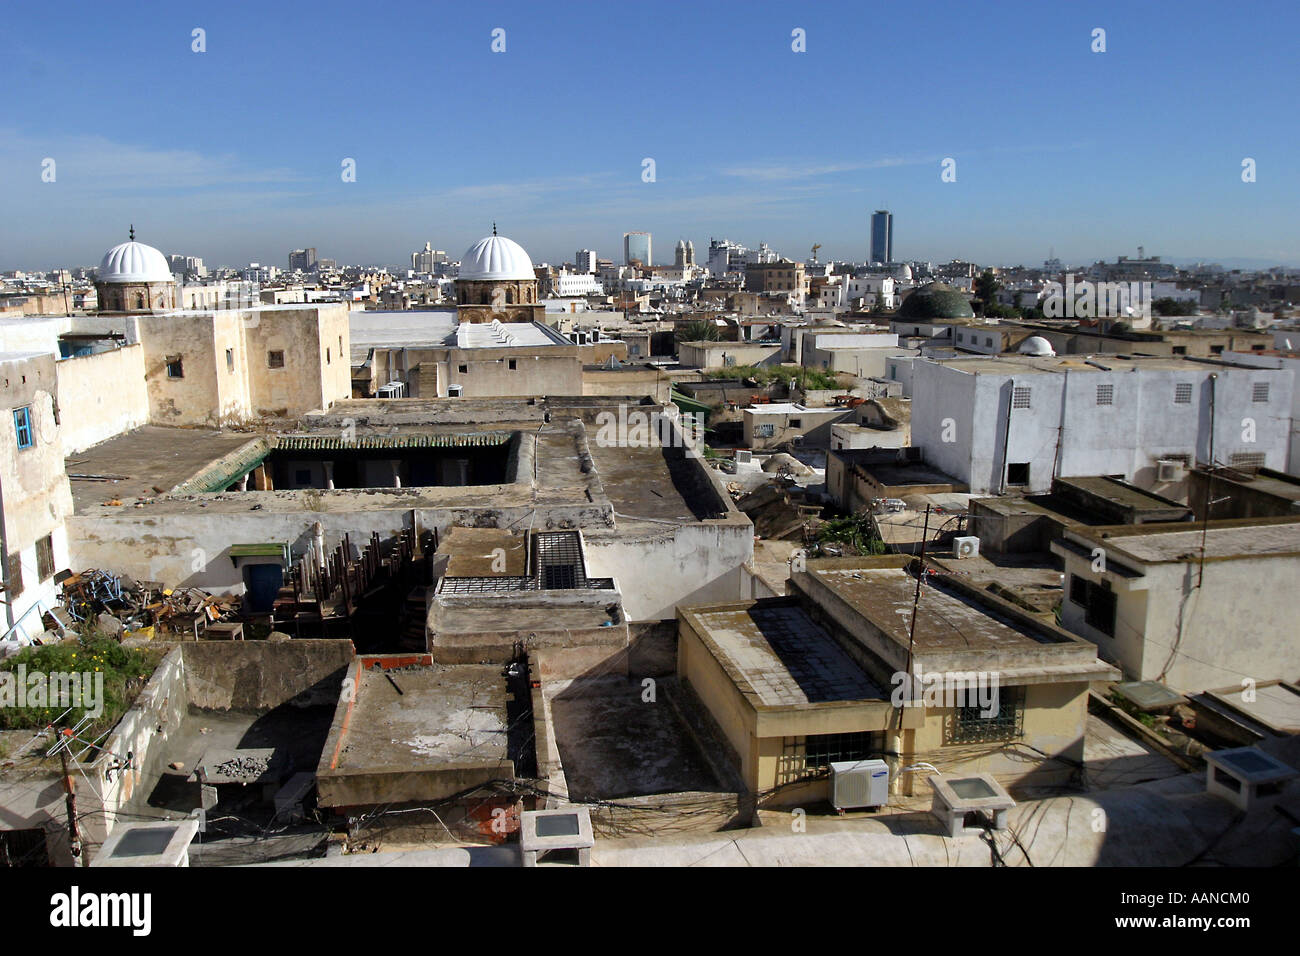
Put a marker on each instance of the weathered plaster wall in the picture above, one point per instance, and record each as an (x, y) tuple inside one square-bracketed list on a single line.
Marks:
[(101, 395)]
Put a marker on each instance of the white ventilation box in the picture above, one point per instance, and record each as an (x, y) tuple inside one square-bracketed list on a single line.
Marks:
[(966, 547), (744, 456), (859, 783), (1169, 470)]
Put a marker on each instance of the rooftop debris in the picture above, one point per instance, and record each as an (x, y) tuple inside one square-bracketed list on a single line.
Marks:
[(120, 605)]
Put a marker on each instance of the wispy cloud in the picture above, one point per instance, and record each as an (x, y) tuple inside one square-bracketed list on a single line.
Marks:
[(790, 172), (97, 163)]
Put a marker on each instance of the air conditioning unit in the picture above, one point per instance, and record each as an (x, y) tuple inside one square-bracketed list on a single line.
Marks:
[(966, 547), (744, 456), (859, 783), (1169, 470)]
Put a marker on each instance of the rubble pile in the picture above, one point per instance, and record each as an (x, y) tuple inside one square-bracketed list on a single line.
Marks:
[(246, 767), (778, 511), (121, 606)]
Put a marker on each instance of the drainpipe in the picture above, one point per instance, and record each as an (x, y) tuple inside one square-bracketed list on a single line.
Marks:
[(1209, 484), (1006, 439), (318, 543)]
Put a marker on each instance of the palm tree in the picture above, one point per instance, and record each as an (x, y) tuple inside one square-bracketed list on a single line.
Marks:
[(698, 331)]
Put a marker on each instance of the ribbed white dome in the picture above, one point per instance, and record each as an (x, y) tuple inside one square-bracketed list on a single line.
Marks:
[(1036, 345), (496, 258), (134, 262)]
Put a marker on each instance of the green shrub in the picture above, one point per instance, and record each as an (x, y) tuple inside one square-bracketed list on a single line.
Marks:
[(125, 670)]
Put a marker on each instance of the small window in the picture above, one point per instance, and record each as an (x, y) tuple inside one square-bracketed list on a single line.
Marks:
[(764, 430), (23, 426), (175, 367), (970, 725), (1180, 349), (512, 365), (1018, 473), (1020, 397), (796, 423), (1216, 349), (45, 558), (327, 355), (988, 342), (1079, 590), (1183, 393), (454, 391), (462, 369), (230, 360), (821, 750), (1259, 394), (275, 359), (1105, 394), (1099, 612)]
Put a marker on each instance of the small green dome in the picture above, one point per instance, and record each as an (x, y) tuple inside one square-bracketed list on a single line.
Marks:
[(938, 300)]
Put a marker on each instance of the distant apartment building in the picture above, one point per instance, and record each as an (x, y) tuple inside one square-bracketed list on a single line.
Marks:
[(637, 248), (1014, 422), (866, 292), (585, 261), (427, 258), (725, 256), (779, 277), (882, 236), (187, 266), (302, 260), (568, 284)]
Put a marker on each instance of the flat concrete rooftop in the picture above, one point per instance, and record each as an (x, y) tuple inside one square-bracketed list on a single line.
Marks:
[(1275, 705), (944, 620), (1121, 493), (613, 744), (439, 328), (779, 655), (139, 461), (442, 716), (1059, 364), (1224, 540), (1264, 481), (649, 483)]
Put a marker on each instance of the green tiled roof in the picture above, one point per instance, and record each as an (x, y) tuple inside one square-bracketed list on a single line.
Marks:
[(333, 443), (221, 473)]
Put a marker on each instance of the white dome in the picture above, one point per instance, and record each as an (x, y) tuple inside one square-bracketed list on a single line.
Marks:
[(1036, 345), (496, 258), (134, 262)]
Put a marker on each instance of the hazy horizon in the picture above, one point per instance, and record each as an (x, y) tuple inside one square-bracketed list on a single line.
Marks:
[(234, 154)]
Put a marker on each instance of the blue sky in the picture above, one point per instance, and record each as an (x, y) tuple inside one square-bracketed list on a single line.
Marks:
[(234, 154)]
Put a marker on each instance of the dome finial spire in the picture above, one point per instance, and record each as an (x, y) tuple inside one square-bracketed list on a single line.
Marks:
[(132, 232), (494, 228)]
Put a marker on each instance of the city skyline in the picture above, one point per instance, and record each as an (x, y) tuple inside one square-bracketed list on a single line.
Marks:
[(250, 165)]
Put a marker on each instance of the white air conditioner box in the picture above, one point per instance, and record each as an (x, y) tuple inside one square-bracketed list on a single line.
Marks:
[(966, 547), (859, 783), (1169, 470), (744, 456)]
